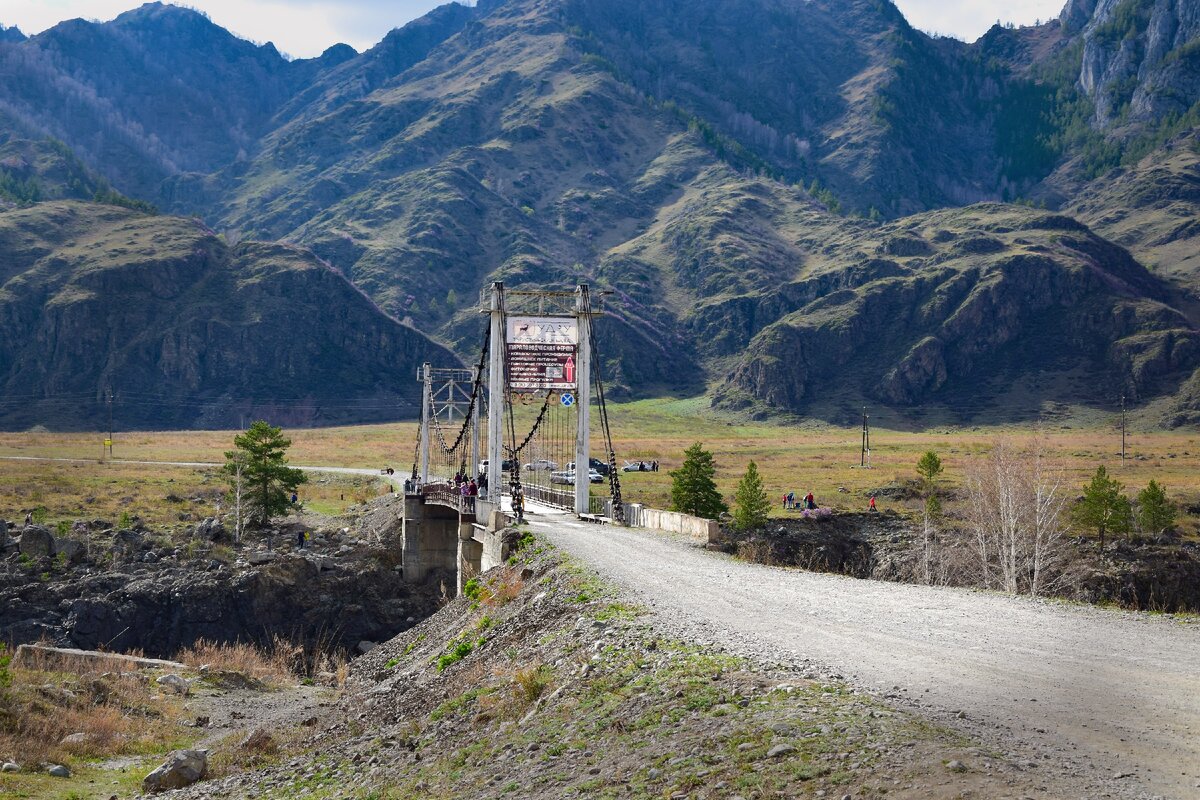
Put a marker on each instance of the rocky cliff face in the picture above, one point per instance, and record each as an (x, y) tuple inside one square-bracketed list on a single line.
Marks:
[(1141, 58), (190, 332)]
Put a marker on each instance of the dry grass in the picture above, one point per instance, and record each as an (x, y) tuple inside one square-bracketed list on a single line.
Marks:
[(117, 713), (271, 665), (164, 498), (798, 457), (281, 663)]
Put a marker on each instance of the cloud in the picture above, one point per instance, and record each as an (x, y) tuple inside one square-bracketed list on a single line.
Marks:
[(970, 19), (302, 28), (306, 28)]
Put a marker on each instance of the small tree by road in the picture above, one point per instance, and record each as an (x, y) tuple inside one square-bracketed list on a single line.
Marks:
[(693, 488), (260, 466), (1104, 508), (1155, 514), (750, 504)]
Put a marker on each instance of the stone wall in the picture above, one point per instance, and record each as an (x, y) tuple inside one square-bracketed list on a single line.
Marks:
[(702, 531)]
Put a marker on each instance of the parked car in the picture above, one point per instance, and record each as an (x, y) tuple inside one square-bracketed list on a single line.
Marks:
[(567, 477), (593, 463), (506, 465), (541, 465)]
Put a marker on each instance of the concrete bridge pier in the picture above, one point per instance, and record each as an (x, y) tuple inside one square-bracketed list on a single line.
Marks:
[(429, 537), (436, 536)]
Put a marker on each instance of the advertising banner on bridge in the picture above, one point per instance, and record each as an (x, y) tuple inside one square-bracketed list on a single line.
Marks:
[(542, 353)]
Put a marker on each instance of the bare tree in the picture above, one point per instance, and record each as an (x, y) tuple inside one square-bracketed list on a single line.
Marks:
[(1017, 515)]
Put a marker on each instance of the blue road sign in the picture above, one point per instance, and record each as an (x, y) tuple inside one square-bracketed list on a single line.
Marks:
[(567, 399)]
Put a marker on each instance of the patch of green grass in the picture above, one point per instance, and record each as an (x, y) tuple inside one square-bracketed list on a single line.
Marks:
[(458, 704)]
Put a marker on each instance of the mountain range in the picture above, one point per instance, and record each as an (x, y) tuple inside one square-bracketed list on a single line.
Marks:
[(800, 207)]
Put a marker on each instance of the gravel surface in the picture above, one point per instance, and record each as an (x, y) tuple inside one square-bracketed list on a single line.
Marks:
[(1112, 697)]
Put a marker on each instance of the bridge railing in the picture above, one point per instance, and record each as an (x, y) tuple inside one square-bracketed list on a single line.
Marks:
[(447, 494), (555, 498)]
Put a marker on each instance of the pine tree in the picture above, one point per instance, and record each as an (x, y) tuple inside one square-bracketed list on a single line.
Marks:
[(263, 470), (929, 467), (750, 504), (1104, 509), (1156, 513), (693, 490)]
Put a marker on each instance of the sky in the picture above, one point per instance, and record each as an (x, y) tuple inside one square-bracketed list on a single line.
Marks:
[(305, 28)]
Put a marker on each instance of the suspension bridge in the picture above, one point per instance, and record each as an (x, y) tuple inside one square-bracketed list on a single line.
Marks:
[(510, 431)]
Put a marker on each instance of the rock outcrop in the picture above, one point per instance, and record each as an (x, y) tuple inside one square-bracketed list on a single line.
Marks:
[(196, 334)]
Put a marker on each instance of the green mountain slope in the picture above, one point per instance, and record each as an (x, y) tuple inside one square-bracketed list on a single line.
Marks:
[(187, 331)]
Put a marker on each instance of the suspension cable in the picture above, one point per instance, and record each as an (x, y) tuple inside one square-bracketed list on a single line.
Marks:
[(614, 480)]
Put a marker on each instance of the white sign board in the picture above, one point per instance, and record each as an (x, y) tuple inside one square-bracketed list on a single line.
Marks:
[(543, 330)]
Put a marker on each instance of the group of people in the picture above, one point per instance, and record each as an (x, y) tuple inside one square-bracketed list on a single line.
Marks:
[(467, 487), (808, 501)]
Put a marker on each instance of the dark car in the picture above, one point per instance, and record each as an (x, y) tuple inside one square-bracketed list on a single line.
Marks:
[(593, 463)]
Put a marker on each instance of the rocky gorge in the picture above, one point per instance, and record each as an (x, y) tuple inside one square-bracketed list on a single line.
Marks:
[(1159, 574), (98, 586)]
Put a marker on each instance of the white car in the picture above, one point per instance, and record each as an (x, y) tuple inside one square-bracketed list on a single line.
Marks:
[(540, 465), (567, 477)]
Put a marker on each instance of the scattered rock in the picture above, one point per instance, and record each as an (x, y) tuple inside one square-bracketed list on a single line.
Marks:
[(182, 768), (365, 646), (231, 679), (174, 683), (956, 766), (9, 766), (59, 771), (780, 750), (77, 738), (259, 558)]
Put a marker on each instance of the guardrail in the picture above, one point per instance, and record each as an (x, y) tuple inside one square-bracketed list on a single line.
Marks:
[(555, 498)]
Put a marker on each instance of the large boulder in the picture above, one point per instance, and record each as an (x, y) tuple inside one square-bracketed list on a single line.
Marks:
[(71, 550), (211, 530), (37, 542), (127, 544), (182, 768)]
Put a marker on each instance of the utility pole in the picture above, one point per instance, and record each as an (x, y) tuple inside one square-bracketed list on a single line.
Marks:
[(1122, 428), (106, 448), (865, 458)]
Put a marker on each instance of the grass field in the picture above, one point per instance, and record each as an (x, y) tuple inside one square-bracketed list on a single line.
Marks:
[(800, 458)]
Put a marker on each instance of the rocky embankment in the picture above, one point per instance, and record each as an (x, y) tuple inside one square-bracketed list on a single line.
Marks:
[(544, 682), (1159, 574), (126, 589)]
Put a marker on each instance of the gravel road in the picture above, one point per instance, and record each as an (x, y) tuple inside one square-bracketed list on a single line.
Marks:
[(1112, 696)]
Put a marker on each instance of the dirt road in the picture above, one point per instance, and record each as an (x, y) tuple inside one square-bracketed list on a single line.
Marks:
[(1109, 693)]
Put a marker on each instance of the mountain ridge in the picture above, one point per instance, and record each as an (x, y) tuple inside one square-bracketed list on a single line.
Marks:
[(753, 160)]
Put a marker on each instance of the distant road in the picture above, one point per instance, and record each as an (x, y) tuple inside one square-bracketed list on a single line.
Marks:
[(1116, 693)]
